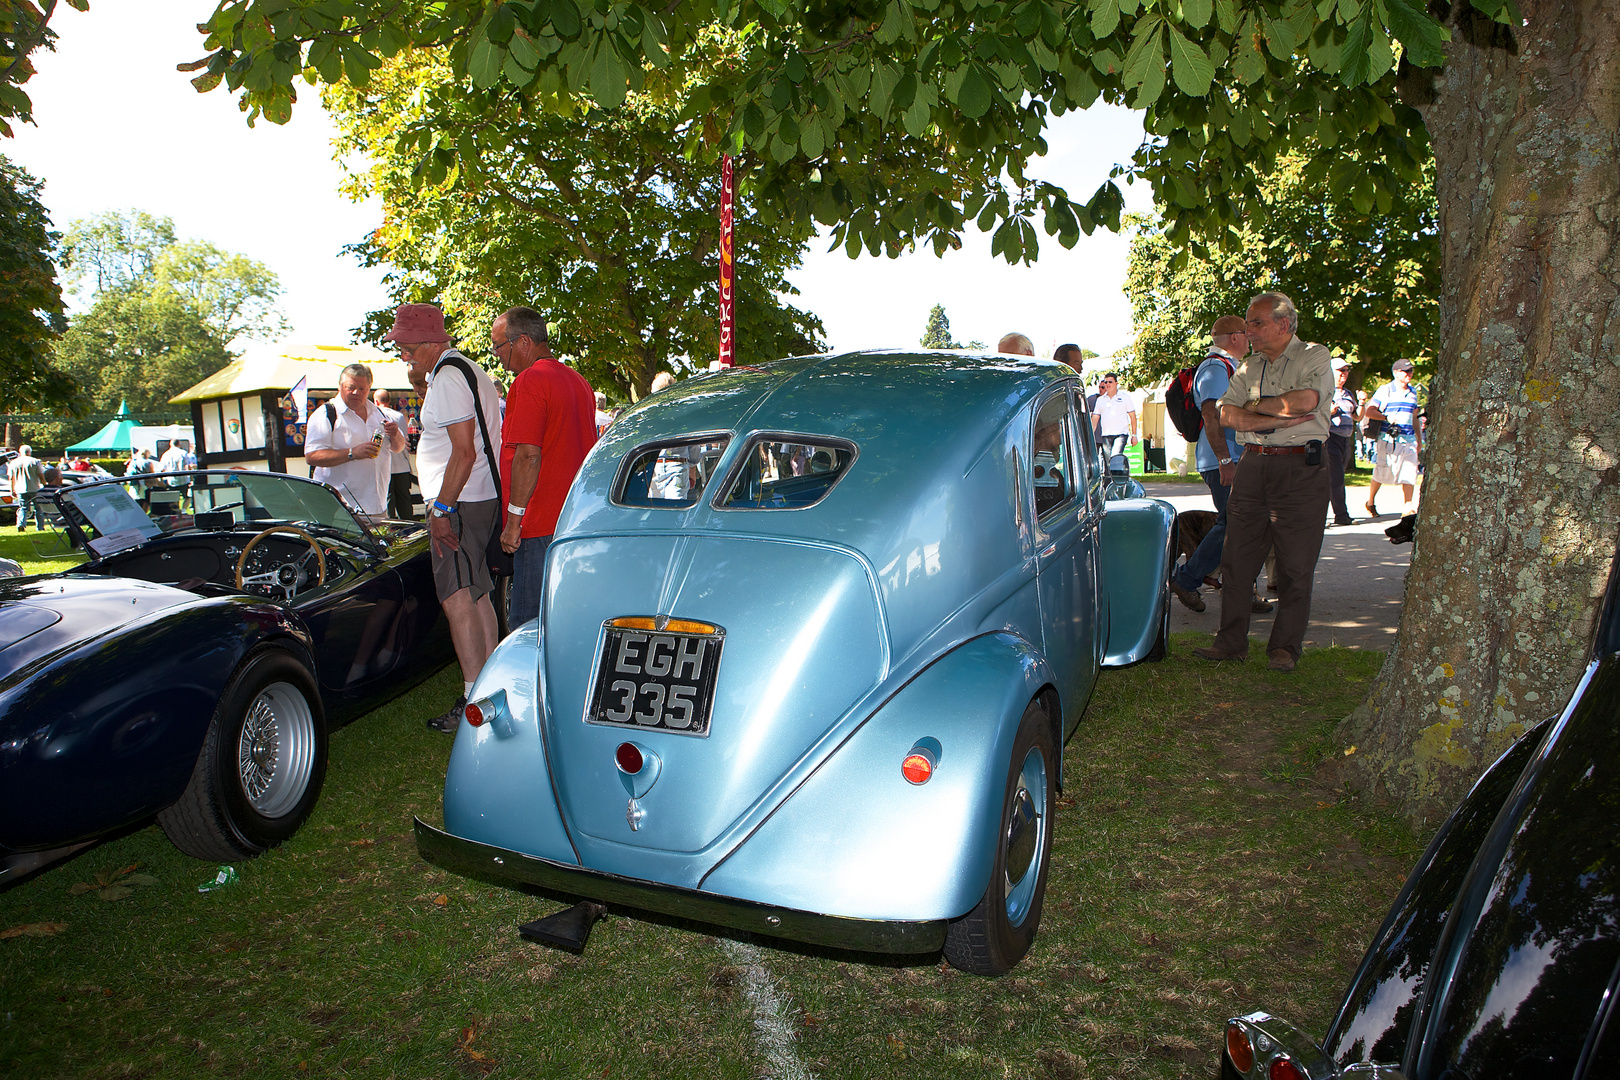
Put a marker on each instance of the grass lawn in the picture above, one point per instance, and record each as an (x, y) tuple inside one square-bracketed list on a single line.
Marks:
[(1207, 862)]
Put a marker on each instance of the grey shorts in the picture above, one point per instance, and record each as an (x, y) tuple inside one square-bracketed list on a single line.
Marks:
[(467, 568)]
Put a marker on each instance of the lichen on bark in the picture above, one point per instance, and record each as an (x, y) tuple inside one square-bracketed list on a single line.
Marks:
[(1520, 500)]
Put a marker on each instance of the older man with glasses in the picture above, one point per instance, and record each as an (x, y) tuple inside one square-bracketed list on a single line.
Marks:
[(1278, 402), (550, 426)]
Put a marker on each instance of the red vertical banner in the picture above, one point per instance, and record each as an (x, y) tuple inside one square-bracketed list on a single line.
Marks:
[(728, 311)]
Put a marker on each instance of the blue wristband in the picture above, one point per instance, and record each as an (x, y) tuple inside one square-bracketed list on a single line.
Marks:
[(443, 509)]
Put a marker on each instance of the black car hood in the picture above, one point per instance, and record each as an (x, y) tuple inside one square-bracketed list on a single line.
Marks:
[(43, 615), (1500, 955)]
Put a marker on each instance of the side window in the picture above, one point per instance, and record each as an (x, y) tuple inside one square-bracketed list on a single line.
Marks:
[(671, 475), (1090, 465), (1050, 465)]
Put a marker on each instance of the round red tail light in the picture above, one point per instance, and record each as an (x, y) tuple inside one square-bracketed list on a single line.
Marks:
[(1285, 1069), (474, 715), (917, 767), (628, 757), (1238, 1048)]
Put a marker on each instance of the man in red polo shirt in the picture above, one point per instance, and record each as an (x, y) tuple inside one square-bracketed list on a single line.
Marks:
[(550, 426)]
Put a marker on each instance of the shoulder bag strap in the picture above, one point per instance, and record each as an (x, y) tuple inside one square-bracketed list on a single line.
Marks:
[(478, 410)]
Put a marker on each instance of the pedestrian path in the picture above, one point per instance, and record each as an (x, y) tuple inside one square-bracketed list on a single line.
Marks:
[(1359, 578)]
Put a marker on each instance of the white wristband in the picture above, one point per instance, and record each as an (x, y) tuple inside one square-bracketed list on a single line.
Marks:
[(514, 509)]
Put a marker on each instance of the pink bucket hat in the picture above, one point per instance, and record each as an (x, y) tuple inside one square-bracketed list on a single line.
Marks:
[(417, 323)]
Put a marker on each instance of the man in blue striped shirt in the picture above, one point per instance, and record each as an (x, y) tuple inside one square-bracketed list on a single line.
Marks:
[(1395, 403)]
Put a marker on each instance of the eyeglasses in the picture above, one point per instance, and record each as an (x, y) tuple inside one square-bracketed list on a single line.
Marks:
[(497, 349)]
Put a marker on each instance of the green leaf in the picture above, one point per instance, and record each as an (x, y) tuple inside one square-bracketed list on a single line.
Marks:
[(485, 65), (1226, 15), (781, 152), (1190, 65), (975, 95), (1420, 36), (813, 139), (917, 116), (896, 19), (753, 119), (796, 69), (885, 77), (1104, 17), (1280, 39), (1248, 63), (1147, 51), (565, 18), (608, 75), (499, 29), (1196, 13)]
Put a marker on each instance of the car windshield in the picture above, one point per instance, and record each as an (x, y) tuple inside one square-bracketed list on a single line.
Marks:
[(114, 516)]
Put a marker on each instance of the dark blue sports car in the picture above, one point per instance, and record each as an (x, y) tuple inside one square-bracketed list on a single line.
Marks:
[(191, 669)]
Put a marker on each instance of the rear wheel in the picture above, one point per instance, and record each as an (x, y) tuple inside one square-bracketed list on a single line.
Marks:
[(995, 935), (261, 766)]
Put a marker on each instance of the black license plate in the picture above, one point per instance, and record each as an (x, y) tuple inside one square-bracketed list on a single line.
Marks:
[(656, 679)]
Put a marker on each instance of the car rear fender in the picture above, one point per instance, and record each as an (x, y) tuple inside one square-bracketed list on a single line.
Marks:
[(1138, 545), (498, 789), (857, 839)]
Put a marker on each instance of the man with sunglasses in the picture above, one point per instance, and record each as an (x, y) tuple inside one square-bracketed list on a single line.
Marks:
[(1114, 417)]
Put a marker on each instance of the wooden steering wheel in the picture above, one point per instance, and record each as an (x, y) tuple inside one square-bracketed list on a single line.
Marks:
[(285, 576)]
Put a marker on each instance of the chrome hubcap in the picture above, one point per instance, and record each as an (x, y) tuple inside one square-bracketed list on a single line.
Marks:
[(1025, 839), (276, 752)]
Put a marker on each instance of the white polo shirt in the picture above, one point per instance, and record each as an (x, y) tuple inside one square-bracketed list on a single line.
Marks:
[(363, 481), (1113, 413)]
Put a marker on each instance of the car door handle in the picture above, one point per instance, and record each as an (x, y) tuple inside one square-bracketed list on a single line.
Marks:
[(1049, 551)]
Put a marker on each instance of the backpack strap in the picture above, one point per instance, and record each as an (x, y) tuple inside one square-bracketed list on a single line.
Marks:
[(465, 367)]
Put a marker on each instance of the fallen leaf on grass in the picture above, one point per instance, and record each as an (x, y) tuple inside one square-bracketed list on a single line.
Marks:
[(33, 929), (442, 900), (113, 884)]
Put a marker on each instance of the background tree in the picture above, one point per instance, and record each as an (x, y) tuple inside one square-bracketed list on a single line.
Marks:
[(161, 315), (1366, 285), (31, 314), (937, 334), (595, 218), (834, 107)]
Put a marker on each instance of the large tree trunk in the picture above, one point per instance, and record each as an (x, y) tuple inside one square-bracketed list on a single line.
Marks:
[(1520, 500)]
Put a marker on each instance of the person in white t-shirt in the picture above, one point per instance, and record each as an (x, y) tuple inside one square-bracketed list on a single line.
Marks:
[(1114, 416), (400, 478), (463, 498), (350, 443)]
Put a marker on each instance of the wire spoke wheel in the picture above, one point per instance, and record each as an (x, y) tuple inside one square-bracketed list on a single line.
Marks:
[(276, 750)]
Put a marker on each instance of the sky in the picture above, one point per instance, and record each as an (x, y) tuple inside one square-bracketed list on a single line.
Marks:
[(117, 127)]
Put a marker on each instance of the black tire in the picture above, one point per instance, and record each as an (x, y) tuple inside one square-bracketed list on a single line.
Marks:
[(995, 935), (1161, 646), (261, 767)]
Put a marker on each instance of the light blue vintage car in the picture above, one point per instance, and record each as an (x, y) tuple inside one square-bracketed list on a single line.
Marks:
[(814, 637)]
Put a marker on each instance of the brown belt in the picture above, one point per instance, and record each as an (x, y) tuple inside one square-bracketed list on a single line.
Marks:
[(1253, 449)]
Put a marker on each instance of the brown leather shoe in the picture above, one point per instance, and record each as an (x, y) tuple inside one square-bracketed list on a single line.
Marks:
[(1260, 606), (1211, 653), (1187, 597), (1281, 660)]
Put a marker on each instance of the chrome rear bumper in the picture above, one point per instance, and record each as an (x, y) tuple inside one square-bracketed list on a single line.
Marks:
[(863, 935)]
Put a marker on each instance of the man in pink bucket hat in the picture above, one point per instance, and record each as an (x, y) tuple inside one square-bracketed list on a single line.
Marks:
[(462, 497)]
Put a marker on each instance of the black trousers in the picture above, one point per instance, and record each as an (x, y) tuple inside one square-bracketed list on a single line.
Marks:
[(399, 496), (1339, 451)]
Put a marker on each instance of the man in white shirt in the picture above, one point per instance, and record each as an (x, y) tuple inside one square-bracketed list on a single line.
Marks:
[(400, 478), (1114, 416), (463, 498), (350, 443)]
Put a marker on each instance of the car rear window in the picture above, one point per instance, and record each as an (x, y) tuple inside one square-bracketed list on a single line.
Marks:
[(787, 473), (670, 474)]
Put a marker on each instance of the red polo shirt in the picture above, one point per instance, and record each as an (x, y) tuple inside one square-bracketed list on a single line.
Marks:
[(550, 406)]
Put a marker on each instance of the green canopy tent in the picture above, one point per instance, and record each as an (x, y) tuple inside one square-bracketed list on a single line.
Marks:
[(115, 436)]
